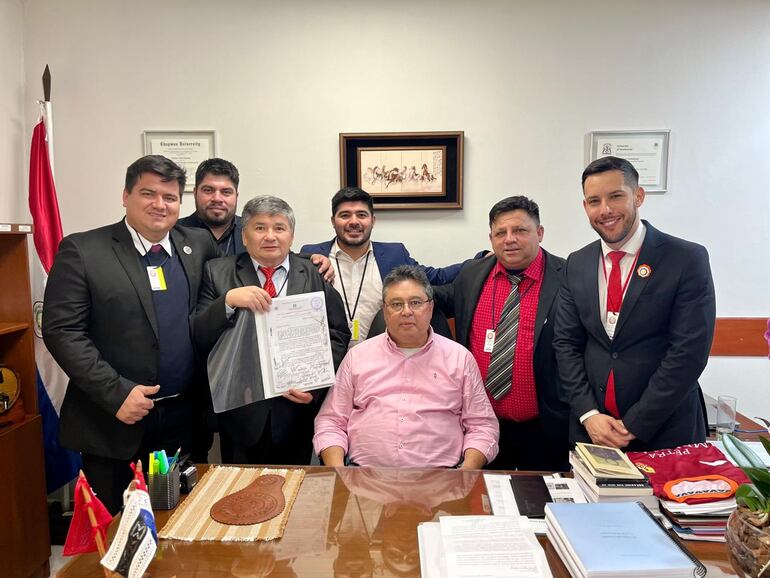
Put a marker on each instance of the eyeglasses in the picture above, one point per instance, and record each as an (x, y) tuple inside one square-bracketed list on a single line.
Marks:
[(414, 305)]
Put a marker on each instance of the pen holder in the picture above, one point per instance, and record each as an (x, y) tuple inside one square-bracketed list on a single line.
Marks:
[(164, 490)]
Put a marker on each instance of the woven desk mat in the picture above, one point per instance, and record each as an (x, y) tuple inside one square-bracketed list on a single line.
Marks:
[(191, 521)]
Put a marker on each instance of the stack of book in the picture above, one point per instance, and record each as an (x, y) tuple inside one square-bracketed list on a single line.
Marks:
[(617, 540), (606, 475), (705, 521)]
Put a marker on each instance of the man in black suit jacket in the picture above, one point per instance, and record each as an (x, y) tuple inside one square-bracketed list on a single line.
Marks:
[(630, 357), (278, 430), (116, 319), (533, 421)]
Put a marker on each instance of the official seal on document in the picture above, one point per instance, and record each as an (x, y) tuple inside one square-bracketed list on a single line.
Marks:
[(316, 303)]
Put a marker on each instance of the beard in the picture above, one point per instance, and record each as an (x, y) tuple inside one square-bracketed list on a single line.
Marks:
[(363, 240), (624, 233), (213, 220)]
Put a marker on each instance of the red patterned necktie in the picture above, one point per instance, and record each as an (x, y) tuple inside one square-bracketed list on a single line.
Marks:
[(268, 284), (614, 301)]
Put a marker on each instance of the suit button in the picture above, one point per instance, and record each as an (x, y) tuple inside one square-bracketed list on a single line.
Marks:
[(614, 356)]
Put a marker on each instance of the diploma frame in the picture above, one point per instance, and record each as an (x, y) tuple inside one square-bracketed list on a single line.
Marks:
[(423, 170), (650, 158), (187, 148)]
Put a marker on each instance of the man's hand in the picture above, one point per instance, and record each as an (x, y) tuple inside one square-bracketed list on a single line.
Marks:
[(250, 297), (473, 459), (605, 430), (324, 265), (333, 456), (137, 404), (298, 396)]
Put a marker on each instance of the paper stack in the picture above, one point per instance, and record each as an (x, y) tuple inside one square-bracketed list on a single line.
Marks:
[(615, 540), (480, 546), (606, 475), (704, 521)]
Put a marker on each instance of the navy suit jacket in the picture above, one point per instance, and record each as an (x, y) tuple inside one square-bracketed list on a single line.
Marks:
[(390, 256), (661, 343)]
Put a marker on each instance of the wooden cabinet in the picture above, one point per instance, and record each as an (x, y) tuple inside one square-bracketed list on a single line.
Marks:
[(24, 539)]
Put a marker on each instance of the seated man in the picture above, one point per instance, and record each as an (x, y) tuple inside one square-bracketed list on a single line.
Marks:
[(279, 430), (408, 397)]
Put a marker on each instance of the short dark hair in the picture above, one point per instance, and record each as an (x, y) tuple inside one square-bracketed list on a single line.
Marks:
[(604, 164), (165, 168), (517, 203), (219, 167), (352, 195), (407, 273)]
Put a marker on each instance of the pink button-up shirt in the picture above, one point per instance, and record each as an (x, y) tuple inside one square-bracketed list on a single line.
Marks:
[(425, 410)]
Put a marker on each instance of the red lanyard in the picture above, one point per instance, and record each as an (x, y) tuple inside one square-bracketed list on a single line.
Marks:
[(625, 284)]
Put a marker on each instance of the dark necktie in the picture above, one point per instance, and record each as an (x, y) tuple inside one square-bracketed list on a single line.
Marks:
[(156, 249), (500, 371), (268, 284), (614, 302)]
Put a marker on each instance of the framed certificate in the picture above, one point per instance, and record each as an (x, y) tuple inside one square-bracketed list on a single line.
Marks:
[(647, 150), (187, 148)]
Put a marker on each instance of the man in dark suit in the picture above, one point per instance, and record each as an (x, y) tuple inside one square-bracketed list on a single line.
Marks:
[(116, 319), (278, 430), (634, 324), (363, 264), (503, 307)]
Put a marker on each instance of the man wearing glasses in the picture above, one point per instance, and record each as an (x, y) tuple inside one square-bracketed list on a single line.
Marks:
[(503, 307), (407, 397)]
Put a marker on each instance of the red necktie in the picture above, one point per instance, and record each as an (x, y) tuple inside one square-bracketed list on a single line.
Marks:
[(614, 301), (268, 284)]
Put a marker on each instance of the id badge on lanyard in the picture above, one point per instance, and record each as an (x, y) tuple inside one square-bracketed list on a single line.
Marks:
[(612, 323), (157, 279)]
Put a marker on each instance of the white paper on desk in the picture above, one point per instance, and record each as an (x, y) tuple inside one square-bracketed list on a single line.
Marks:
[(491, 547), (299, 353)]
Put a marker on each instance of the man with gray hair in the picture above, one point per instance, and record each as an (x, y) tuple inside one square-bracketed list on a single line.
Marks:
[(279, 430), (407, 397)]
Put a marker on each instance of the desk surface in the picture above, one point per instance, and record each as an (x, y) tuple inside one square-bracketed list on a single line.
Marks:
[(352, 522)]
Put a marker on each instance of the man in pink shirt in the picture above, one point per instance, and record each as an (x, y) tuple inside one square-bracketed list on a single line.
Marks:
[(407, 397)]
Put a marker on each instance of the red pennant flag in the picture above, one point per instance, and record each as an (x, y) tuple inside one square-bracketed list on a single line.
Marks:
[(81, 537)]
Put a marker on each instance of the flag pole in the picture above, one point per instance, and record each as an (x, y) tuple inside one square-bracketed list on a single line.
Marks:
[(47, 110), (94, 525)]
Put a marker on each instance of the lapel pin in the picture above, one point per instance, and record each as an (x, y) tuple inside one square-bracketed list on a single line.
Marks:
[(187, 250), (644, 271)]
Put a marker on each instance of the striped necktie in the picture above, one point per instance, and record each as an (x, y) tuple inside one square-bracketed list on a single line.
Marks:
[(500, 371)]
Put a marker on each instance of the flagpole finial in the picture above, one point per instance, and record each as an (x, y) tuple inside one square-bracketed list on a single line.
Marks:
[(47, 84)]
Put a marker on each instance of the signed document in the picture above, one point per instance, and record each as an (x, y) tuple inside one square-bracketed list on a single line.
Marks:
[(298, 353)]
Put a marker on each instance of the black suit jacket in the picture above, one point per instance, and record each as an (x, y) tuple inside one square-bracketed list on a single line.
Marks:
[(459, 300), (246, 423), (99, 324), (660, 347)]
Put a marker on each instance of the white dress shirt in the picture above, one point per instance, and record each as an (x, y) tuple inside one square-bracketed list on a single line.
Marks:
[(351, 273)]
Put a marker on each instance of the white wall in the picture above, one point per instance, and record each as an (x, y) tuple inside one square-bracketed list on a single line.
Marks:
[(525, 80), (12, 183)]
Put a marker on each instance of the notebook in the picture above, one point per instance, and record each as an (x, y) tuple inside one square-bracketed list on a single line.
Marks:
[(616, 540)]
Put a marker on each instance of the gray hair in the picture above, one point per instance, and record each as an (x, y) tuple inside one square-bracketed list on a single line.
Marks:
[(407, 273), (270, 205)]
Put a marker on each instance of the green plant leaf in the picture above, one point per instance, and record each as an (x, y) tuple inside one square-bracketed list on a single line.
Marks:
[(765, 442), (741, 453)]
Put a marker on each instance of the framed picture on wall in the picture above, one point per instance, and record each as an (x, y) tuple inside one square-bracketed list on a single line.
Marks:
[(647, 150), (405, 170), (187, 148)]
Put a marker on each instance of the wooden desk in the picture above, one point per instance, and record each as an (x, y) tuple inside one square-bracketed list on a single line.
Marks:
[(373, 516)]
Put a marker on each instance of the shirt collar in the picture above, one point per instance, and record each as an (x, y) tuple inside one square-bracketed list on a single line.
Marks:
[(395, 348), (284, 264), (339, 253), (143, 245), (533, 271), (630, 247)]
